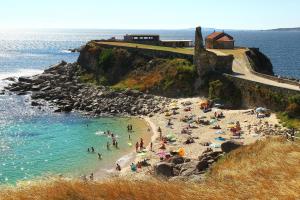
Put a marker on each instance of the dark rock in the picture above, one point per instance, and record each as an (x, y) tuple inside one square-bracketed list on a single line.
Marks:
[(229, 146), (25, 79), (164, 169), (176, 160), (34, 103), (202, 165), (67, 108)]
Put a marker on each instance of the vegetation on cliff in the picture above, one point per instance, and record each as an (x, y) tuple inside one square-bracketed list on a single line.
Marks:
[(122, 69), (221, 89), (291, 117), (264, 170), (174, 77)]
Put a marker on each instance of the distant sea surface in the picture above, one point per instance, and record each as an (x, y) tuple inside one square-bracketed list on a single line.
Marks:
[(34, 142)]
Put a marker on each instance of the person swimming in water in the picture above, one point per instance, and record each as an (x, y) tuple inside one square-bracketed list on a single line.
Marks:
[(93, 150), (107, 145)]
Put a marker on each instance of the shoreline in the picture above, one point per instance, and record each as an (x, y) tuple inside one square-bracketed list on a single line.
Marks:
[(201, 134), (130, 156)]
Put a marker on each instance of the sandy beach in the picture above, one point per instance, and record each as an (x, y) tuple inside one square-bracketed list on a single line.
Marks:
[(252, 129)]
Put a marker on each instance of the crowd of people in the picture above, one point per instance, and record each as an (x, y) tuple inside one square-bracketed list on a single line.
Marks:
[(140, 146)]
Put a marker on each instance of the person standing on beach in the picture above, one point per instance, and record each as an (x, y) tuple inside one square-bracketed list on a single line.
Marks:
[(116, 143), (129, 137), (137, 146), (151, 146), (107, 145), (99, 156), (142, 144), (160, 133), (93, 150)]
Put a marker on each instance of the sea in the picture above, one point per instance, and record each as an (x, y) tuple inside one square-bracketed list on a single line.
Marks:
[(37, 142)]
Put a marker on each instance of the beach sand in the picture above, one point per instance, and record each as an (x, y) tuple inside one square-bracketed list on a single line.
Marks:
[(201, 134)]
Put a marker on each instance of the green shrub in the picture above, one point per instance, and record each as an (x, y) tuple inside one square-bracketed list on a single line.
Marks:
[(106, 58), (215, 89), (293, 108)]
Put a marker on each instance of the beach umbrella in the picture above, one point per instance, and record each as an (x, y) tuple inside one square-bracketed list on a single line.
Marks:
[(260, 110), (181, 152)]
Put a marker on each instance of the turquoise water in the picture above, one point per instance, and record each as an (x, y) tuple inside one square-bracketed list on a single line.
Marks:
[(34, 142)]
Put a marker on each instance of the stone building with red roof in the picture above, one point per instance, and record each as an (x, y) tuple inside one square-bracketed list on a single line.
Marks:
[(219, 40)]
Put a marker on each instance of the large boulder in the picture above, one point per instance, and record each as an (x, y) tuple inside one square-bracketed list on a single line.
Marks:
[(229, 146), (202, 165), (164, 169), (177, 160)]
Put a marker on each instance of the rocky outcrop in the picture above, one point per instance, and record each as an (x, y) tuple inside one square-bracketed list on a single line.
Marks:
[(60, 85), (186, 169), (259, 62), (229, 146)]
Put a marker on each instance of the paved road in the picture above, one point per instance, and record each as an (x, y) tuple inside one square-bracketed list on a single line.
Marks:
[(241, 69)]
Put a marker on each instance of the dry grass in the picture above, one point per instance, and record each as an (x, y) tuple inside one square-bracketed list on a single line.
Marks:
[(266, 170), (189, 51)]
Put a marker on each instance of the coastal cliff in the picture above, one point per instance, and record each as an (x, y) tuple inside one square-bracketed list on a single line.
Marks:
[(160, 73)]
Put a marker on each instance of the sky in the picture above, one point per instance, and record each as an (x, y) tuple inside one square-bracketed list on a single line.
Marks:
[(149, 14)]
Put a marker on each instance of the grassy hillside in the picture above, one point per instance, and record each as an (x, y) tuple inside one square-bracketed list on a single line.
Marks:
[(265, 170), (162, 75)]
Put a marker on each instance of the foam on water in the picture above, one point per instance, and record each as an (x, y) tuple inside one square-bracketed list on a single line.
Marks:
[(16, 74)]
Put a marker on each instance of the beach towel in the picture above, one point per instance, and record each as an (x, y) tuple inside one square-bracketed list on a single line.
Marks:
[(220, 139)]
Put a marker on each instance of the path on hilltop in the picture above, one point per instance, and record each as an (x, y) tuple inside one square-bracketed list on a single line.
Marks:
[(241, 69)]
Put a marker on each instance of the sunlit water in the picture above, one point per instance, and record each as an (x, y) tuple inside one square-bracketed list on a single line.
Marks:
[(35, 142)]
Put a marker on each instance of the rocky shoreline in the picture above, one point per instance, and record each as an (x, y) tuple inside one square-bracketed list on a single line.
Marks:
[(61, 87)]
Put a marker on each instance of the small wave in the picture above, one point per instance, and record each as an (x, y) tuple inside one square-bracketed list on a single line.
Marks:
[(16, 74), (66, 51), (124, 160), (100, 133)]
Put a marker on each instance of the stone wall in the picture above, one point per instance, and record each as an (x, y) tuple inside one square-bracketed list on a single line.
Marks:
[(254, 94), (206, 61)]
